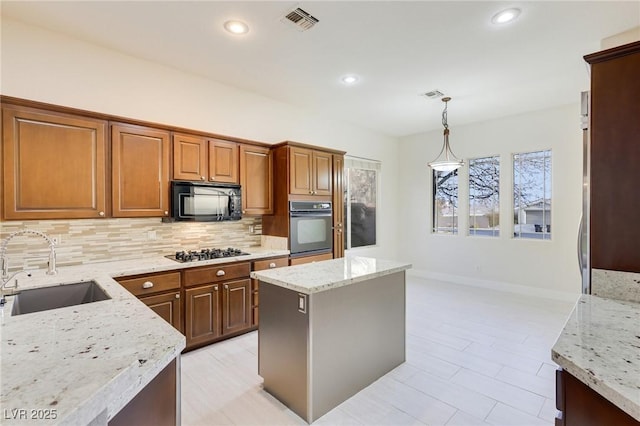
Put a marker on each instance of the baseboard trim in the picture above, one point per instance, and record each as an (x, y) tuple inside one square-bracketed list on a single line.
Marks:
[(496, 285)]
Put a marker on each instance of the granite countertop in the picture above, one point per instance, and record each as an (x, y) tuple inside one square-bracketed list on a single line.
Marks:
[(325, 275), (600, 345), (86, 362)]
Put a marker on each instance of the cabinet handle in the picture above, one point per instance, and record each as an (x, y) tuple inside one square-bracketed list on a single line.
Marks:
[(272, 265), (101, 214), (147, 284), (226, 287), (220, 273), (177, 296)]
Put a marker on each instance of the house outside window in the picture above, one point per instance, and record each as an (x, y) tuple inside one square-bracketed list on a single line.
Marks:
[(445, 202), (362, 190), (484, 196), (532, 195)]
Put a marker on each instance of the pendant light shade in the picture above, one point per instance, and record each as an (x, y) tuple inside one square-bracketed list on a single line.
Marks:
[(446, 160)]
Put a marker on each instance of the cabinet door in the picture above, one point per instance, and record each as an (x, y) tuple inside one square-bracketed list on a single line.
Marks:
[(54, 165), (615, 150), (236, 306), (189, 157), (223, 161), (322, 165), (202, 314), (338, 206), (140, 164), (300, 171), (256, 179), (166, 305)]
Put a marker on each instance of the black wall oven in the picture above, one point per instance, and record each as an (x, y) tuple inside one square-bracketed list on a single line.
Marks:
[(311, 227)]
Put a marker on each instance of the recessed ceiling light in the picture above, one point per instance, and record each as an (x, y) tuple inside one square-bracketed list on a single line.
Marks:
[(236, 27), (505, 16), (350, 79)]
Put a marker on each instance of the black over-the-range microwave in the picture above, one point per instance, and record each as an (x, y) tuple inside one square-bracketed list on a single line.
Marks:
[(205, 202)]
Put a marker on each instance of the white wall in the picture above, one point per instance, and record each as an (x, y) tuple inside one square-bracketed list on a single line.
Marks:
[(44, 66), (529, 266)]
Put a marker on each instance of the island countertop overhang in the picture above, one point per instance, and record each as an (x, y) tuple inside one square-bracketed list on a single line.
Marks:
[(325, 275)]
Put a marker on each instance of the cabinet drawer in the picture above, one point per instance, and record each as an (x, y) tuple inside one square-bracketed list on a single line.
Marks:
[(212, 274), (260, 265), (147, 284)]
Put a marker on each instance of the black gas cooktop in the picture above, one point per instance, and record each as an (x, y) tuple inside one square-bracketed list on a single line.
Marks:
[(205, 254)]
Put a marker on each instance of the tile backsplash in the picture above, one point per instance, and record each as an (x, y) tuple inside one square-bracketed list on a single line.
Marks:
[(97, 240)]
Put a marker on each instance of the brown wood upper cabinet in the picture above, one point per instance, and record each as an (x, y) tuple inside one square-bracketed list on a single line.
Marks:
[(615, 149), (197, 158), (256, 179), (310, 172), (54, 164), (140, 171)]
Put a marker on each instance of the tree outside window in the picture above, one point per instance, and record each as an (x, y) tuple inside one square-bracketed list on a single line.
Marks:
[(445, 202), (484, 196), (532, 195)]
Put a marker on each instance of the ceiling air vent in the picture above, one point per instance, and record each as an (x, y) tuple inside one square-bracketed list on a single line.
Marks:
[(434, 94), (301, 19)]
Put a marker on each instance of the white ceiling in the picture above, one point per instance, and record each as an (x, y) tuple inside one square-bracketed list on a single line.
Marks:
[(399, 49)]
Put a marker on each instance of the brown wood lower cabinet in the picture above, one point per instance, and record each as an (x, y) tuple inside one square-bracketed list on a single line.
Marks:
[(168, 306), (308, 259), (579, 405), (261, 265), (202, 314), (236, 302)]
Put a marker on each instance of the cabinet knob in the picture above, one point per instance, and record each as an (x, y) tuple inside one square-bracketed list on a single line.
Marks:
[(226, 287), (215, 287), (147, 284), (177, 295), (101, 214), (272, 265), (310, 192), (244, 211), (220, 273), (213, 178), (166, 213), (201, 177)]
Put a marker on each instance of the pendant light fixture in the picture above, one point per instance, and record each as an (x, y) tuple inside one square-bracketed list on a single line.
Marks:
[(446, 161)]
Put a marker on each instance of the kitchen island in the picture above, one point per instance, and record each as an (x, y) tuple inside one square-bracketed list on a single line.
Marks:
[(329, 329), (599, 353)]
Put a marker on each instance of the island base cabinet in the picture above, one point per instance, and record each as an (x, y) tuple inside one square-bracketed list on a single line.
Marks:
[(579, 405), (317, 350), (156, 404)]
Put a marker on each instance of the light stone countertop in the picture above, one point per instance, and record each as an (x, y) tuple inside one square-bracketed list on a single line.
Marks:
[(88, 361), (600, 345), (328, 274)]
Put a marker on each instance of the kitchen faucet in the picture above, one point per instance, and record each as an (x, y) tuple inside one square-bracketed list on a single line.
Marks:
[(4, 263)]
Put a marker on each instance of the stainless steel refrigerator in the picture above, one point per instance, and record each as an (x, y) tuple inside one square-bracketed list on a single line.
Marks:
[(584, 255)]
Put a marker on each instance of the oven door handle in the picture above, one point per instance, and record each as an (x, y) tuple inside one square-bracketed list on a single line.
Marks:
[(314, 214)]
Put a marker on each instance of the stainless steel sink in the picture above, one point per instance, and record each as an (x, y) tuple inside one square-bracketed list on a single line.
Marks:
[(43, 299)]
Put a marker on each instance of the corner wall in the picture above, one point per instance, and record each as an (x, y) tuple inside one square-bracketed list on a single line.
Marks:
[(527, 266), (44, 66)]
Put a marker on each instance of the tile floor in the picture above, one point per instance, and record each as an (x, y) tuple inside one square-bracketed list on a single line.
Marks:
[(474, 357)]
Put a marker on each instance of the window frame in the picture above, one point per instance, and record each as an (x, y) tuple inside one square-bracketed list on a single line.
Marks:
[(351, 162)]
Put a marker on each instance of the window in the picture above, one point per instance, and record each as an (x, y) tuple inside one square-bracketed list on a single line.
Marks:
[(362, 179), (484, 196), (445, 202), (532, 195)]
